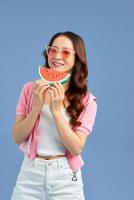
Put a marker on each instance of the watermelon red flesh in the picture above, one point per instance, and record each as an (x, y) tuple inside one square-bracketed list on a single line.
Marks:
[(51, 75)]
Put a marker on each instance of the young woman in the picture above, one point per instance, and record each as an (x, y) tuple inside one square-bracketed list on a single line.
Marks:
[(52, 125)]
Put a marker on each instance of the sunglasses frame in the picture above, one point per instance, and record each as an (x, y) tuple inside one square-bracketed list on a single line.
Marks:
[(71, 51)]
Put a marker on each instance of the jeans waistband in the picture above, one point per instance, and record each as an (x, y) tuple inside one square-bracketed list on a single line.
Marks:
[(60, 162)]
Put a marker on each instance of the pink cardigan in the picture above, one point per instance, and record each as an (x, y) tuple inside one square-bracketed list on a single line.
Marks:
[(87, 117)]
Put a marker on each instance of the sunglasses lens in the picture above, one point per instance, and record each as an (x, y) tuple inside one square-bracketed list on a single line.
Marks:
[(52, 51), (65, 54)]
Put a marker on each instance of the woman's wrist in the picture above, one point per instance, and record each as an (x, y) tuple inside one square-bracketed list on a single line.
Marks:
[(56, 113), (36, 110)]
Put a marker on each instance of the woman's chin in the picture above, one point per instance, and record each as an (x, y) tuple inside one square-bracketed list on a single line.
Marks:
[(61, 69)]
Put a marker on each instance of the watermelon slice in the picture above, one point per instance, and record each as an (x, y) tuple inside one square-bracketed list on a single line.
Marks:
[(52, 75)]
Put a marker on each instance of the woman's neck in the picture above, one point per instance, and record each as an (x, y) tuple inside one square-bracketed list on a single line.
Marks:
[(66, 86)]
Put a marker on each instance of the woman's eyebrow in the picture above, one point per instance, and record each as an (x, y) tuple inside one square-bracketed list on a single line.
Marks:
[(66, 48), (62, 47), (54, 46)]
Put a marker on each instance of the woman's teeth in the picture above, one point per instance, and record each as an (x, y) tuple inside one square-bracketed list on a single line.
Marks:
[(57, 64)]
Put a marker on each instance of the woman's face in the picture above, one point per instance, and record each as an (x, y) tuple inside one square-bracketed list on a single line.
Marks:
[(62, 56)]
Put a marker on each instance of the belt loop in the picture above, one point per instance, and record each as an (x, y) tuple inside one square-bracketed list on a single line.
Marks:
[(59, 163), (33, 163)]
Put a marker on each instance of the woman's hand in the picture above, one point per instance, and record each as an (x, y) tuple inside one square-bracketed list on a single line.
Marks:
[(39, 89), (56, 97)]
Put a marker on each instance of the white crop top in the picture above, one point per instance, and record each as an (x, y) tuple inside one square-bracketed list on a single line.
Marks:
[(49, 142)]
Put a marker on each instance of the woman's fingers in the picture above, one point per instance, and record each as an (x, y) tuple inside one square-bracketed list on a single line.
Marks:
[(58, 90), (43, 89), (54, 91), (39, 87), (41, 82)]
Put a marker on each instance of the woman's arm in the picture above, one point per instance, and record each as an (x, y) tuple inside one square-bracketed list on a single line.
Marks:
[(24, 125), (73, 141)]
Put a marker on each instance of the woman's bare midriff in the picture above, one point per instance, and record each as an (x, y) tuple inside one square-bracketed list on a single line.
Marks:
[(50, 157)]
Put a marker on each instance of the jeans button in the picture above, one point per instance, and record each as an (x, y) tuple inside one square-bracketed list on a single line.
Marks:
[(49, 164)]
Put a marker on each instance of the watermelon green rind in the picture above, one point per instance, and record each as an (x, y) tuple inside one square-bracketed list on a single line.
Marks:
[(63, 81)]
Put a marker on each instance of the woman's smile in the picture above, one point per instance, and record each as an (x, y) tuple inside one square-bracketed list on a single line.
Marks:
[(57, 63)]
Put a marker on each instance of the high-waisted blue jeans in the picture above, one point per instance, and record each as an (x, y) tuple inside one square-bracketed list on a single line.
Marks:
[(41, 179)]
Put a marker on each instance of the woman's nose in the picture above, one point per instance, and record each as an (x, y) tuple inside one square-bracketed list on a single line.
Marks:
[(58, 55)]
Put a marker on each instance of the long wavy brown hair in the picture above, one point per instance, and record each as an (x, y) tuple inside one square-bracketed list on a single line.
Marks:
[(78, 83)]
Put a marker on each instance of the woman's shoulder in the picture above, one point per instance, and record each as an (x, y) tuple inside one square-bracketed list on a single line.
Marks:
[(27, 87), (89, 97), (28, 84)]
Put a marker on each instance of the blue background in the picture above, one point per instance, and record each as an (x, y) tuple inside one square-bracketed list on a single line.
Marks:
[(107, 28)]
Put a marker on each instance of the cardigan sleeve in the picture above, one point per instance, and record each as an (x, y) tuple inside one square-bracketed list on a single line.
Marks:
[(21, 105), (87, 117), (23, 100)]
